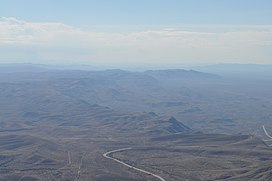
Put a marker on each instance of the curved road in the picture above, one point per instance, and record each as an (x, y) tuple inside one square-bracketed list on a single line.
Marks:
[(106, 155), (266, 133)]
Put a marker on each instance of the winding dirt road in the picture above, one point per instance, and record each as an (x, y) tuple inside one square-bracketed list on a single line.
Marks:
[(106, 155), (266, 133)]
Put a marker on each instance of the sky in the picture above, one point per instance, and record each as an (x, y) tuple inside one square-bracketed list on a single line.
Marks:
[(136, 32)]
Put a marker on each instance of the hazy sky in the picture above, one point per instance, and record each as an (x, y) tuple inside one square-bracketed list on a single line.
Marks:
[(136, 31)]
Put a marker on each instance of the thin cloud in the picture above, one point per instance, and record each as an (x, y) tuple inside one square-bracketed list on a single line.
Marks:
[(184, 44)]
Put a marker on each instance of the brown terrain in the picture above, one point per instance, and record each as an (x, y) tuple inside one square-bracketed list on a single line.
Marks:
[(58, 125)]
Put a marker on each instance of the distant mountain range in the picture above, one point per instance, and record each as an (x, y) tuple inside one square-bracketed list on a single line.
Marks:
[(180, 73), (188, 71)]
